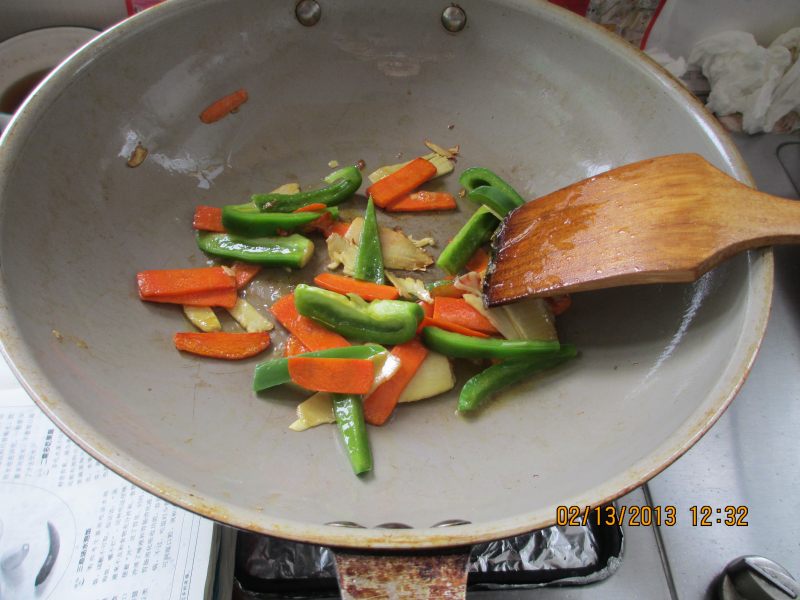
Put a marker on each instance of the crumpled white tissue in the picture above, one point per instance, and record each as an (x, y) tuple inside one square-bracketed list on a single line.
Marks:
[(676, 66), (763, 84)]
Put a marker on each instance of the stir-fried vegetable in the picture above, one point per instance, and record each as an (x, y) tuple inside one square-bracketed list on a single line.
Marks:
[(380, 321), (463, 346), (310, 333), (208, 218), (275, 372), (398, 250), (290, 251), (474, 234), (316, 410), (248, 317), (202, 317), (347, 285), (230, 346), (435, 376), (481, 387), (495, 199), (476, 177), (378, 406), (246, 219), (369, 260), (341, 375), (350, 418), (427, 325), (342, 184), (223, 107), (402, 182)]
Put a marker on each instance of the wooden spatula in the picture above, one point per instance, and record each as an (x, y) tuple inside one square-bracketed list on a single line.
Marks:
[(666, 219)]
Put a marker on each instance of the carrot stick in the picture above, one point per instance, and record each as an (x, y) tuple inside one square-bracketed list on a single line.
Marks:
[(347, 285), (448, 326), (223, 298), (479, 261), (294, 347), (208, 218), (337, 375), (219, 344), (456, 310), (220, 108), (173, 282), (393, 187), (378, 406), (339, 227), (327, 225), (559, 304), (244, 273), (316, 207), (422, 201), (311, 334)]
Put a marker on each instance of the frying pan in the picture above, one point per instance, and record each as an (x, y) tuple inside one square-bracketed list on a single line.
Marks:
[(526, 89)]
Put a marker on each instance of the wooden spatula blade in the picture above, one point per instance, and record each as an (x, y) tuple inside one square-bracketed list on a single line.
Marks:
[(667, 219)]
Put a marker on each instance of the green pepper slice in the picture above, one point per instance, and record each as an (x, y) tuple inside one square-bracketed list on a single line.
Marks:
[(476, 177), (465, 346), (290, 251), (246, 219), (474, 234), (369, 260), (342, 184), (275, 372), (493, 198), (480, 388), (349, 413), (379, 321)]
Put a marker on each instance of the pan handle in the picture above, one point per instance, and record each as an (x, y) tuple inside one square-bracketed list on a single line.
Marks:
[(403, 576)]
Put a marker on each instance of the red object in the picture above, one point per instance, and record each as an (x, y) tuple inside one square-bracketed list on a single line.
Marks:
[(316, 207), (159, 285), (224, 106), (294, 347), (339, 227), (653, 19), (378, 406), (479, 261), (577, 6), (347, 285), (218, 344), (422, 201), (456, 310), (327, 225), (208, 218), (336, 375), (448, 326), (244, 273), (402, 182), (559, 304), (310, 333), (224, 298)]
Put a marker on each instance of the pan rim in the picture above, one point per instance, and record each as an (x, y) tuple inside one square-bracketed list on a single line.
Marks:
[(22, 362)]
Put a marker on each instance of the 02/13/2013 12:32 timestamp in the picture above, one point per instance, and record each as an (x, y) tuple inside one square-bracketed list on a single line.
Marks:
[(646, 516)]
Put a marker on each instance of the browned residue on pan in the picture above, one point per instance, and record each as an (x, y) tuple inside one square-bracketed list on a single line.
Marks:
[(414, 576)]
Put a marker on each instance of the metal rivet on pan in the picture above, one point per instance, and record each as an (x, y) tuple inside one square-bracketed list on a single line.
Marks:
[(394, 526), (454, 18), (345, 524), (308, 12), (451, 523)]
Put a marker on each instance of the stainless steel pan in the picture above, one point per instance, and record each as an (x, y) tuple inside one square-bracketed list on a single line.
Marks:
[(527, 89)]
